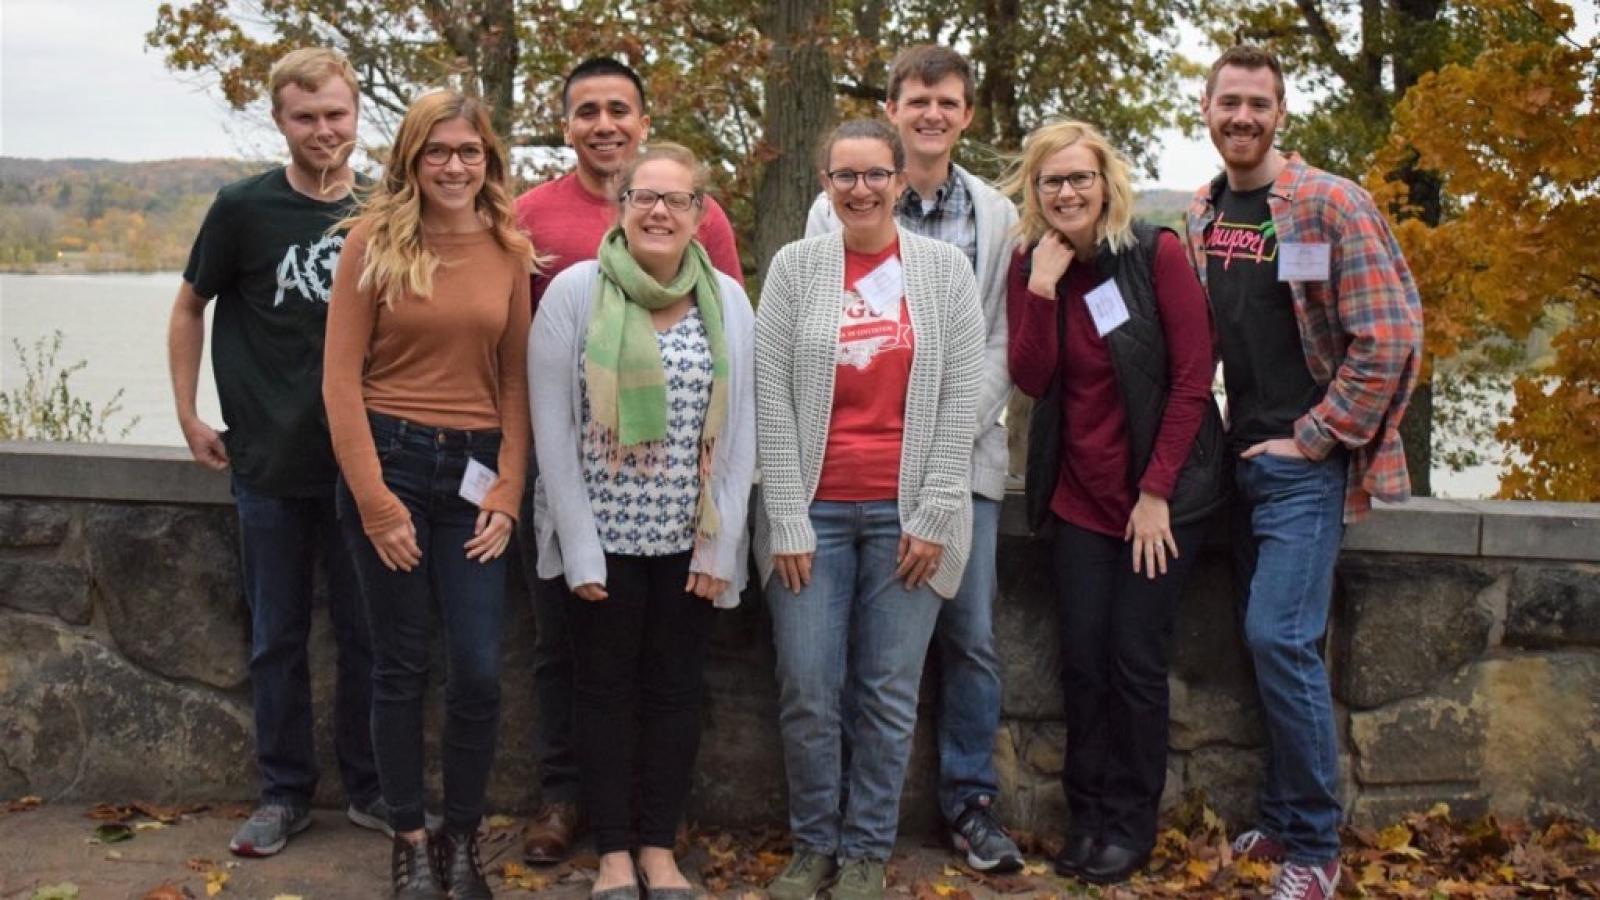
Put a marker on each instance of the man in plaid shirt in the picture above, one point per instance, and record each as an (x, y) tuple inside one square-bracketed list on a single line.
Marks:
[(1320, 329)]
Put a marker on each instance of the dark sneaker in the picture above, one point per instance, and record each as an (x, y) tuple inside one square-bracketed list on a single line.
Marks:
[(374, 814), (1298, 882), (1257, 844), (859, 879), (986, 844), (413, 872), (268, 829), (462, 868), (805, 876)]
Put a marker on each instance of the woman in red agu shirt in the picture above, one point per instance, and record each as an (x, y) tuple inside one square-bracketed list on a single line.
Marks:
[(1109, 326), (425, 382), (868, 343)]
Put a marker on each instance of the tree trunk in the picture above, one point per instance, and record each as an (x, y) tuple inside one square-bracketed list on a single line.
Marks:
[(998, 121), (497, 63), (799, 109)]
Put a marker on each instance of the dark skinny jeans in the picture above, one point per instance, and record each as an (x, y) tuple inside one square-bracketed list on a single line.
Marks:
[(423, 467), (639, 660)]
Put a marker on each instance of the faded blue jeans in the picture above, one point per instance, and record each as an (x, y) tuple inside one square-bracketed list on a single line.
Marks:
[(1288, 525), (855, 628), (969, 673)]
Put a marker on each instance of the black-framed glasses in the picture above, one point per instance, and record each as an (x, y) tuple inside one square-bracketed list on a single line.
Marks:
[(876, 178), (645, 199), (1081, 180), (439, 154)]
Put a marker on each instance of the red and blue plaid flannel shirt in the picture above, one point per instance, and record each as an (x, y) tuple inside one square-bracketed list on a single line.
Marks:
[(1361, 329)]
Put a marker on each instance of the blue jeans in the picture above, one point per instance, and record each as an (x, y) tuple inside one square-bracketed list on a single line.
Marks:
[(969, 690), (553, 678), (1288, 525), (855, 628), (423, 467), (280, 539)]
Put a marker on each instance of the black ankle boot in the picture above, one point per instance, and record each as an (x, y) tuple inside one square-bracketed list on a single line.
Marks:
[(413, 872), (463, 871), (1112, 864), (1075, 854)]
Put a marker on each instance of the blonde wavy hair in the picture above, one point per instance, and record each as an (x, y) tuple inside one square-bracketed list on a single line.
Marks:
[(1115, 228), (397, 260)]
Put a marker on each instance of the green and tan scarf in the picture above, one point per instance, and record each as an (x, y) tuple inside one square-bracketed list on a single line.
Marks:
[(627, 385)]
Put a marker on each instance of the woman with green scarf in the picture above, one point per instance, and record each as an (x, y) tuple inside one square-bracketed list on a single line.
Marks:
[(640, 376)]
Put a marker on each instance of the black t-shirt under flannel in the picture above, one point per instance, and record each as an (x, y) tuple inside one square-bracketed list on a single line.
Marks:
[(264, 252), (1263, 363)]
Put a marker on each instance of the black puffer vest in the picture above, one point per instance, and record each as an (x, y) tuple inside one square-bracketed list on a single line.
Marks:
[(1138, 349)]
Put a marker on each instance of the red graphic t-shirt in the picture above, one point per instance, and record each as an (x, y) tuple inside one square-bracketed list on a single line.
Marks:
[(862, 459)]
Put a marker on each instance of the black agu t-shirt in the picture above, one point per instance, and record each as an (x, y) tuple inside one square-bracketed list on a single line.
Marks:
[(265, 254), (1263, 363)]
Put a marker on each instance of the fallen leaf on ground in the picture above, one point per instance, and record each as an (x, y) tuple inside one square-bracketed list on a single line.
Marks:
[(165, 892), (66, 890), (198, 864), (112, 833), (215, 879), (501, 822), (148, 826), (23, 804)]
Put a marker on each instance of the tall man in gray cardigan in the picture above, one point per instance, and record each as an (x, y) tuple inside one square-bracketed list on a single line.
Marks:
[(930, 99)]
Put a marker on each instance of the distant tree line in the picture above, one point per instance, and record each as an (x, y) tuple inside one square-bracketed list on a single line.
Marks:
[(99, 215)]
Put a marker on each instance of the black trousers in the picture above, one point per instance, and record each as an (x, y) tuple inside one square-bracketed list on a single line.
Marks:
[(1116, 648), (639, 661)]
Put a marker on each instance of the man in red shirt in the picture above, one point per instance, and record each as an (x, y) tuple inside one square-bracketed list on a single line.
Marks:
[(604, 122)]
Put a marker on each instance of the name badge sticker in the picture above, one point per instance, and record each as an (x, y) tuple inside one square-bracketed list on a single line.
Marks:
[(1106, 307), (476, 482), (1303, 262), (883, 287)]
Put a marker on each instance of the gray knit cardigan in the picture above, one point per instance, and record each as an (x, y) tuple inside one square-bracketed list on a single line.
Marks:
[(797, 339)]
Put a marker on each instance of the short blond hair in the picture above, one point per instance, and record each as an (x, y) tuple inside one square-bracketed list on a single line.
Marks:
[(308, 69), (1115, 228)]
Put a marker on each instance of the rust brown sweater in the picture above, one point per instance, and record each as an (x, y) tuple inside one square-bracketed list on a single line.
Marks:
[(457, 359)]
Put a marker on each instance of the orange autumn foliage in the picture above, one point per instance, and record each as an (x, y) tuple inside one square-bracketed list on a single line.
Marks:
[(1513, 135)]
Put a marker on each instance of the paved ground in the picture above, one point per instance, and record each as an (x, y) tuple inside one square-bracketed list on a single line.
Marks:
[(333, 860)]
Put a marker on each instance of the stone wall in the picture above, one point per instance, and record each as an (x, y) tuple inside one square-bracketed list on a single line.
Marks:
[(1464, 648)]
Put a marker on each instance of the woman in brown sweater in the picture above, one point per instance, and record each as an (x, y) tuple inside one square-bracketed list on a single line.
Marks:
[(425, 385)]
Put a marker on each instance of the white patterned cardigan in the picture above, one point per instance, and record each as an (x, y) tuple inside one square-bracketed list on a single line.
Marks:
[(797, 338)]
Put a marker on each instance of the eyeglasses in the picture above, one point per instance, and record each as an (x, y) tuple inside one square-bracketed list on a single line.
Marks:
[(1081, 180), (439, 154), (645, 199), (876, 179)]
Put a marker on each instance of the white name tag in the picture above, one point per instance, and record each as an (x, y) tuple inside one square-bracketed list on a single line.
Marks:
[(883, 287), (476, 482), (1303, 262), (1107, 308)]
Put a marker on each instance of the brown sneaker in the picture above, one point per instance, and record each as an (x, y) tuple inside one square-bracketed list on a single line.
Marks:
[(548, 838)]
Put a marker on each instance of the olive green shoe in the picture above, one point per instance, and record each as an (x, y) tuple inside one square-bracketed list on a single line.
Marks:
[(859, 879), (805, 876)]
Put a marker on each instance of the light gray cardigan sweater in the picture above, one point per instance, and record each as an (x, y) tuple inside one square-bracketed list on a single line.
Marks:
[(994, 217), (797, 340), (569, 544)]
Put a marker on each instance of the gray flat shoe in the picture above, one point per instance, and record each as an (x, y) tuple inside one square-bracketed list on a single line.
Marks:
[(676, 893), (626, 892)]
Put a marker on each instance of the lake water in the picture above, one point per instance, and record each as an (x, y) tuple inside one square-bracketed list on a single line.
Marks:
[(117, 324)]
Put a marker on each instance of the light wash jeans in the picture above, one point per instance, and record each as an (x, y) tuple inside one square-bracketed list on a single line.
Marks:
[(1289, 524), (855, 628)]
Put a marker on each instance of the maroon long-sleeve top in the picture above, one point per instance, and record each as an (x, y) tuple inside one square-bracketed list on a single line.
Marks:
[(1093, 490)]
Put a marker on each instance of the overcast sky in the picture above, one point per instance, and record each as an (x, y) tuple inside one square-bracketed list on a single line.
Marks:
[(77, 80)]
